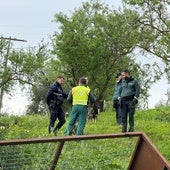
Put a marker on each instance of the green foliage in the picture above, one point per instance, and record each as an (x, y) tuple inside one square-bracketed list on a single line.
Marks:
[(155, 25), (23, 67), (100, 40), (94, 41)]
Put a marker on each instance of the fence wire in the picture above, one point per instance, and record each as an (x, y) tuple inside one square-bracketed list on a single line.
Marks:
[(27, 157), (98, 154), (103, 154)]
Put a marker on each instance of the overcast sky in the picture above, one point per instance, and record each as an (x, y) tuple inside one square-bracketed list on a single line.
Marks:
[(31, 20)]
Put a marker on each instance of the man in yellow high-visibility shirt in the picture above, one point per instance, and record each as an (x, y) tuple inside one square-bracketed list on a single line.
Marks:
[(79, 96)]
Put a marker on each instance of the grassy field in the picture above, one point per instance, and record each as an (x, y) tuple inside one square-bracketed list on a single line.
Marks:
[(155, 123)]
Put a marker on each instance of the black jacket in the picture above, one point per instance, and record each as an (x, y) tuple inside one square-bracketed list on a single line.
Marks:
[(55, 93)]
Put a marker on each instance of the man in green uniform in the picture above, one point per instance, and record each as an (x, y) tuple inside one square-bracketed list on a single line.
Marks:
[(128, 98), (79, 96), (116, 105)]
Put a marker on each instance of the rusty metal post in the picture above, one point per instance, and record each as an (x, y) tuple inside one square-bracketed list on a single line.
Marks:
[(147, 157), (57, 155)]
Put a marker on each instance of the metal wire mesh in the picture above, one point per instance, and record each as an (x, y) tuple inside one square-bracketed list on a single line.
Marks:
[(26, 157), (107, 154)]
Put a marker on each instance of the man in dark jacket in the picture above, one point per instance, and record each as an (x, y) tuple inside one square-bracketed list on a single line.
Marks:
[(128, 98), (54, 99), (116, 105)]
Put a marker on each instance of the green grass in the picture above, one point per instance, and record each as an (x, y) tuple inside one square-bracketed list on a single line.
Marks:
[(154, 122)]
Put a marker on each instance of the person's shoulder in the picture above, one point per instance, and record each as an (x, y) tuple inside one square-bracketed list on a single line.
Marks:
[(54, 86), (123, 81), (75, 87), (51, 85), (119, 83), (88, 87), (136, 80), (133, 79)]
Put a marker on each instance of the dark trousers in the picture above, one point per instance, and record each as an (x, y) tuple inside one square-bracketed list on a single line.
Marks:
[(118, 115), (116, 106), (127, 109), (56, 112)]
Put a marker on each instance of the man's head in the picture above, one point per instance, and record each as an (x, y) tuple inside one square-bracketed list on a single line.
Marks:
[(85, 77), (125, 74), (60, 79), (83, 81)]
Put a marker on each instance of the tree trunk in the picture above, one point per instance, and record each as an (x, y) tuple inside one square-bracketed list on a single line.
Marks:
[(1, 98), (100, 105)]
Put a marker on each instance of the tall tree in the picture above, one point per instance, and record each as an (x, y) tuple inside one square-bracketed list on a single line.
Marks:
[(155, 24), (19, 67), (94, 41), (40, 80), (97, 42)]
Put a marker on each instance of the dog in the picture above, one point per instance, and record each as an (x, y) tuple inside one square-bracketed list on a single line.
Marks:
[(92, 112)]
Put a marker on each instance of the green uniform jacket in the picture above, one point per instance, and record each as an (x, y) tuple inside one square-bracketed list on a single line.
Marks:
[(116, 90), (129, 87)]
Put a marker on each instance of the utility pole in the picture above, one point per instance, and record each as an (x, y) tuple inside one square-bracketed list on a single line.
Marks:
[(12, 39), (5, 64)]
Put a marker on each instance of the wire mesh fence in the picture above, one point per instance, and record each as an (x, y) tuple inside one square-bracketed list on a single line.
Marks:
[(107, 154), (132, 151), (96, 154), (26, 157)]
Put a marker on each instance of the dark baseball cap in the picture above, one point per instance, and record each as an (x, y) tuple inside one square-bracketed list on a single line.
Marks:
[(118, 74)]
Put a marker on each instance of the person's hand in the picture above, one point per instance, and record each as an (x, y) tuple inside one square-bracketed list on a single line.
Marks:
[(135, 100), (119, 101)]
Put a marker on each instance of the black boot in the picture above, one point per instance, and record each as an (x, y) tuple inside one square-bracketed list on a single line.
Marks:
[(50, 129), (124, 129), (131, 129), (55, 131)]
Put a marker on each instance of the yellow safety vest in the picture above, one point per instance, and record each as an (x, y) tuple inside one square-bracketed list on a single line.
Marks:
[(80, 95)]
